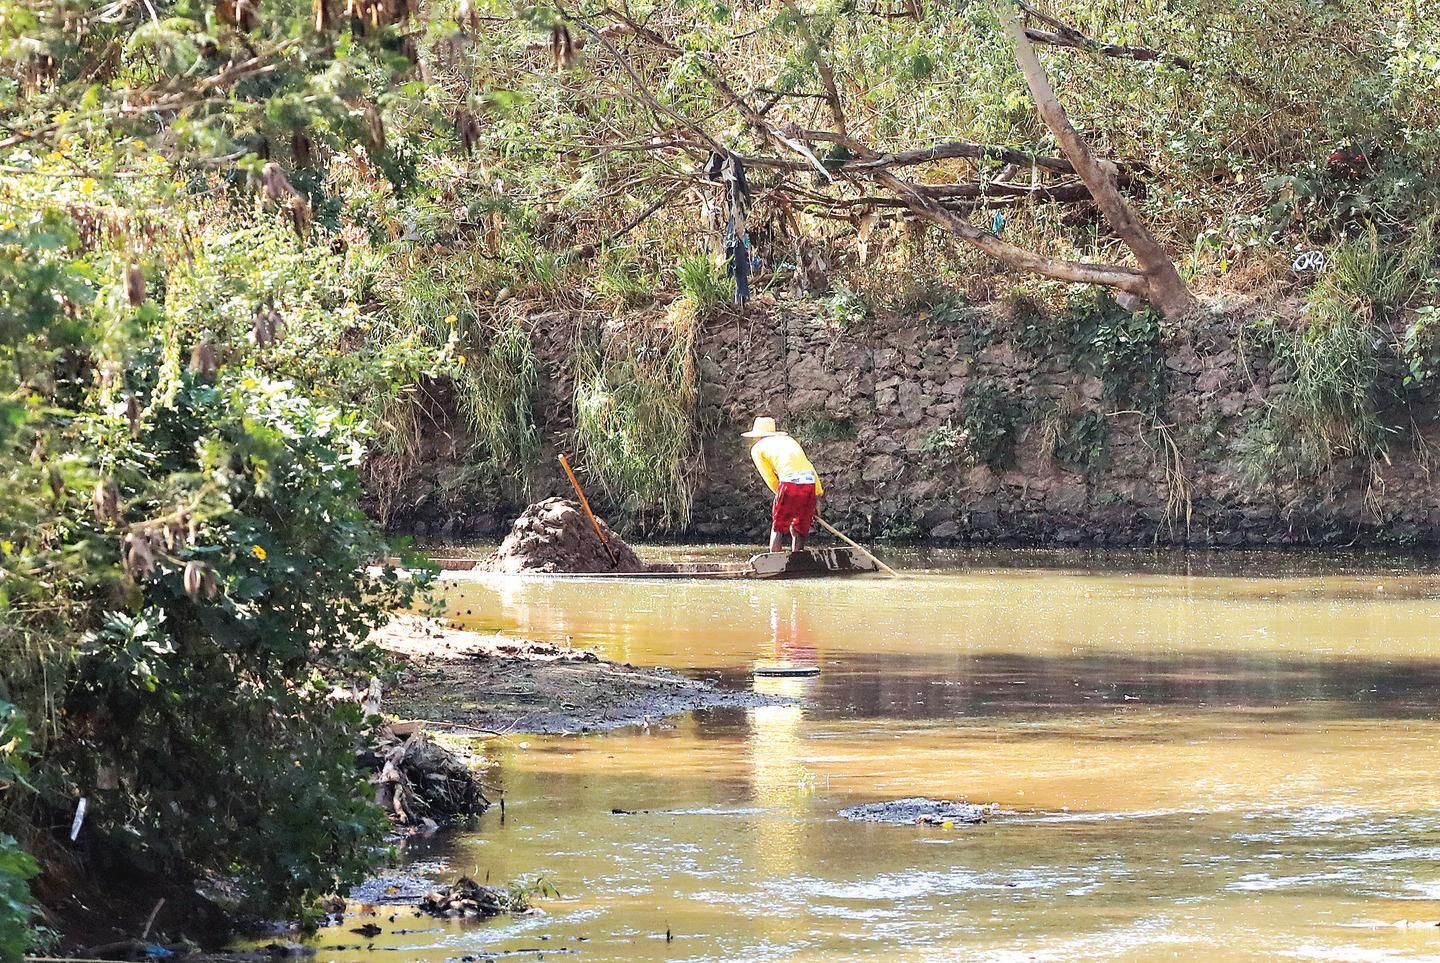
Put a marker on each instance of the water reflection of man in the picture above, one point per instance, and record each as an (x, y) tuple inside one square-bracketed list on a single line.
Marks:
[(779, 777)]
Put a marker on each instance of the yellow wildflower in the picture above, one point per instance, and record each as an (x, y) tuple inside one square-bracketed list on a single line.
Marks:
[(258, 552), (460, 358), (451, 319), (88, 185)]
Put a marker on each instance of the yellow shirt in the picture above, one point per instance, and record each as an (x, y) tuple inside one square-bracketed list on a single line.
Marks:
[(780, 458)]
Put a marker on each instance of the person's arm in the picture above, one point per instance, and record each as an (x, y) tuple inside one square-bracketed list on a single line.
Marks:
[(767, 470)]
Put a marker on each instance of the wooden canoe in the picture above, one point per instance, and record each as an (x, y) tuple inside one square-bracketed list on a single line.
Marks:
[(811, 563)]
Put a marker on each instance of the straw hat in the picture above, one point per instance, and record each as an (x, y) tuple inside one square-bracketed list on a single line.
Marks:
[(764, 428)]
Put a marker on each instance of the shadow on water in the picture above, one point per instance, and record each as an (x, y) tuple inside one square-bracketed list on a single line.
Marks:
[(910, 686)]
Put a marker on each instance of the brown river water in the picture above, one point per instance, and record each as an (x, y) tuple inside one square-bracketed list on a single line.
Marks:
[(1197, 757)]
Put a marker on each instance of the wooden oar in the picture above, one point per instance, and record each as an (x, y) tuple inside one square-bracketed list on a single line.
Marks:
[(855, 545), (585, 504)]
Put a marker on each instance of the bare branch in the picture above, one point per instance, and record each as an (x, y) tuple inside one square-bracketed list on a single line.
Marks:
[(588, 250), (1163, 286), (1064, 35), (930, 209), (822, 66)]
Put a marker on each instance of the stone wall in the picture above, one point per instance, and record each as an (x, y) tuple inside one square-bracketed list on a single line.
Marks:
[(870, 402)]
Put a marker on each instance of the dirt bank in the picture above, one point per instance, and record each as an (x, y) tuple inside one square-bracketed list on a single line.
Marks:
[(492, 683)]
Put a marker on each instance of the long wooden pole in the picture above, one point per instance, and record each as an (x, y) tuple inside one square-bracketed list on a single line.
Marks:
[(585, 504), (855, 545)]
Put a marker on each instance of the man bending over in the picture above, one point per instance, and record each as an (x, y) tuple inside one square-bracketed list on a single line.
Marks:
[(783, 465)]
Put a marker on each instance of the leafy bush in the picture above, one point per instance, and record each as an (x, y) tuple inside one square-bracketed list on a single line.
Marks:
[(17, 912), (945, 443), (199, 717), (1075, 438), (992, 416), (847, 308), (1124, 350), (17, 867)]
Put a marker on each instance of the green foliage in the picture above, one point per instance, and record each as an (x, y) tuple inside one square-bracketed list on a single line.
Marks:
[(635, 426), (1321, 203), (182, 701), (946, 309), (621, 276), (847, 309), (16, 866), (17, 912), (992, 416), (705, 283), (1036, 331), (521, 894), (183, 563), (945, 444), (1124, 350), (815, 425), (1075, 439), (900, 528), (1342, 367)]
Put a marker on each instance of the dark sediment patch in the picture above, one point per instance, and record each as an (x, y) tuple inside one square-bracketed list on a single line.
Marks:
[(556, 536), (918, 810), (489, 683)]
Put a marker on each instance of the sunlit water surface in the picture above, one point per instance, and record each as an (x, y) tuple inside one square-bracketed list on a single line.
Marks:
[(1193, 757)]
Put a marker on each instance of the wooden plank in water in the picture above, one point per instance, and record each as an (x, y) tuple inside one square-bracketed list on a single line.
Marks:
[(811, 563)]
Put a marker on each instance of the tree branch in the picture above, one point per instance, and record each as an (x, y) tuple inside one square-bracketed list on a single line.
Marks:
[(588, 250), (930, 209), (1064, 35), (1163, 286), (822, 66)]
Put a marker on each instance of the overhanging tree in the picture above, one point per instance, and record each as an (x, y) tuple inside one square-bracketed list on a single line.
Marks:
[(852, 177)]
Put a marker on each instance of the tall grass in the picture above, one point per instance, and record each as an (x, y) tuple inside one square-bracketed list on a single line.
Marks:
[(1332, 408), (635, 422), (621, 277), (705, 283), (496, 390)]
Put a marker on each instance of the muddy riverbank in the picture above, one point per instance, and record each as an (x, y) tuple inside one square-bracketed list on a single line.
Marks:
[(473, 681)]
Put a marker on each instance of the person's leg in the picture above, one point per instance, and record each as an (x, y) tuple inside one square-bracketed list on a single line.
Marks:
[(776, 540), (803, 517)]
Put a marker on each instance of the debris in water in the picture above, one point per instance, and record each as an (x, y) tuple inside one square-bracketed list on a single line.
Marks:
[(917, 810), (469, 898), (555, 536), (417, 781)]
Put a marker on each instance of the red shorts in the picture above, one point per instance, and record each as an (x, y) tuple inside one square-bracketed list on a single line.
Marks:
[(794, 508)]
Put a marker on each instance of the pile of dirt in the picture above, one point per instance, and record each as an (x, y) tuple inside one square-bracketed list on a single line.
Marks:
[(556, 536)]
